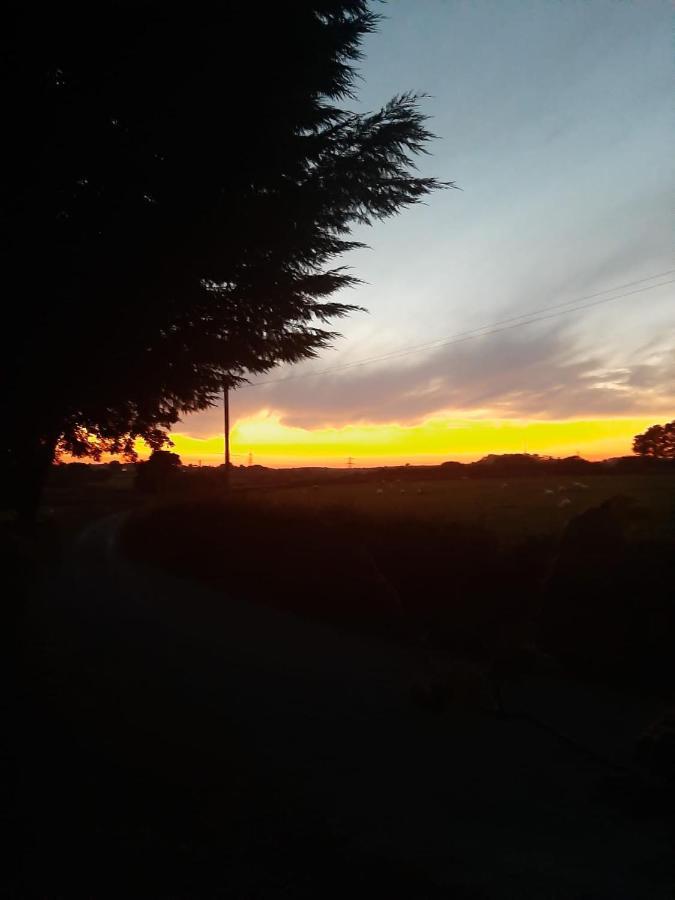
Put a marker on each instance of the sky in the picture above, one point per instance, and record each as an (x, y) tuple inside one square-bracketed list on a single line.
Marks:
[(556, 121)]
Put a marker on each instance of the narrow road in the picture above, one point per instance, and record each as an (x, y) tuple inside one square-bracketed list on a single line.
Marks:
[(225, 749)]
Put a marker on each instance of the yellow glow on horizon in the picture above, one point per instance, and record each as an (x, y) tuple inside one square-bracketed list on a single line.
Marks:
[(433, 440)]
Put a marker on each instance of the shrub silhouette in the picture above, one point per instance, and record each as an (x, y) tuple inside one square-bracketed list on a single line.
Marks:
[(607, 604), (655, 749), (159, 474)]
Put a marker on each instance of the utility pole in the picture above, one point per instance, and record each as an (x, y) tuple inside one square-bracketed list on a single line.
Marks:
[(350, 462), (226, 424)]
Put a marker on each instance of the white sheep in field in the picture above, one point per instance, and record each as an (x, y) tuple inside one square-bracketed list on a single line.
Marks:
[(420, 491), (380, 491), (505, 485), (580, 486), (564, 502), (403, 490), (549, 491)]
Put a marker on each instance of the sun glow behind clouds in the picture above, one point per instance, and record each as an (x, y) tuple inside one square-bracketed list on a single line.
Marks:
[(433, 440)]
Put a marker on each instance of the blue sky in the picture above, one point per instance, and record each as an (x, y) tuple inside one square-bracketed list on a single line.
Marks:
[(556, 120)]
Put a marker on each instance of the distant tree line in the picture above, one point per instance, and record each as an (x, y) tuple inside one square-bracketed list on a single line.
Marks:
[(164, 473)]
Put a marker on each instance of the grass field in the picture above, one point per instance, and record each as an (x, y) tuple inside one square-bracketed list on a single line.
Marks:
[(513, 509)]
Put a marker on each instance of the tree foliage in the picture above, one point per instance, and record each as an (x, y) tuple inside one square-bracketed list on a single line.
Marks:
[(164, 460), (181, 182), (657, 441), (159, 473)]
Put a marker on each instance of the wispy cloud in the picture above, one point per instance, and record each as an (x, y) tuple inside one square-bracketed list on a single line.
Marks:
[(509, 375)]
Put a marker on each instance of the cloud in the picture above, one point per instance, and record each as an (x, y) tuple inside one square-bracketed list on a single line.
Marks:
[(512, 374)]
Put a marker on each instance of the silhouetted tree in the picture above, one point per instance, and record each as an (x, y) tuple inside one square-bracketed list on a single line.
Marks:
[(178, 184), (158, 473), (657, 441), (165, 459)]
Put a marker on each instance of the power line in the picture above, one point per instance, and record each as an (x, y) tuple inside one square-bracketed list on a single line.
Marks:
[(479, 332), (549, 312), (458, 337)]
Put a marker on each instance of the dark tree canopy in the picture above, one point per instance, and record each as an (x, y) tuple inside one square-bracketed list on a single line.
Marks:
[(181, 182), (158, 473), (164, 459), (657, 441)]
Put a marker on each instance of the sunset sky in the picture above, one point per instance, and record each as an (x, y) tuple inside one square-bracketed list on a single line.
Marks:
[(556, 121)]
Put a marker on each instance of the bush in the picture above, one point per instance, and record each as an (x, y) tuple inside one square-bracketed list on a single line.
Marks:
[(161, 473), (609, 605)]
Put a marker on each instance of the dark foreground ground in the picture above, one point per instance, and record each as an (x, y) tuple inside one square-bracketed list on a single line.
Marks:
[(165, 743)]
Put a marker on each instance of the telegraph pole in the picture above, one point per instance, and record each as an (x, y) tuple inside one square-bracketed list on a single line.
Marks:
[(226, 424)]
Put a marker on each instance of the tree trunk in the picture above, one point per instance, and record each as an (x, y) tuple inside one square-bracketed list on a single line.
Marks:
[(31, 471)]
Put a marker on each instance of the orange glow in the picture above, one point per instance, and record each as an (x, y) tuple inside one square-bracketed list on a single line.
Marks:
[(430, 441)]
